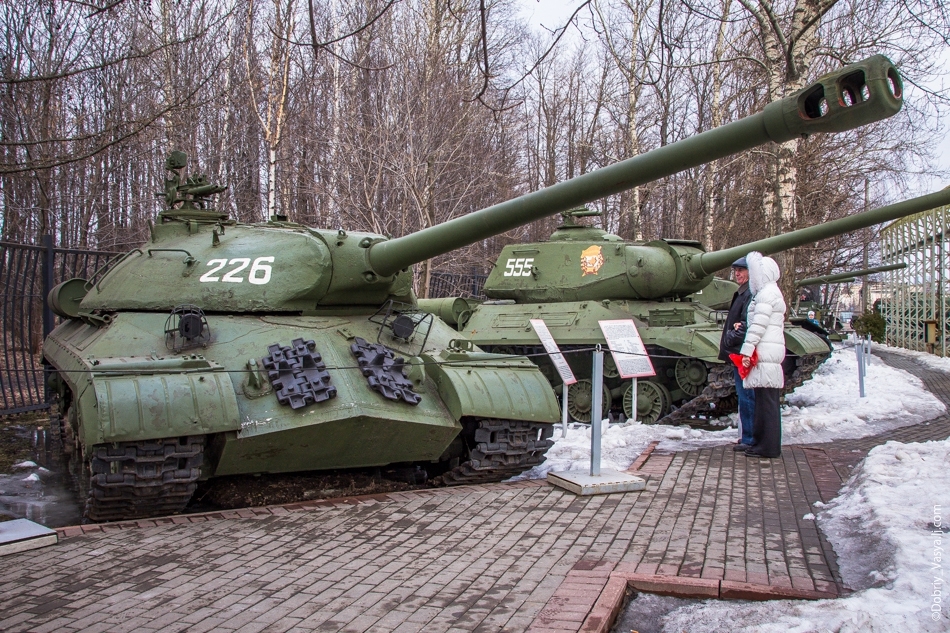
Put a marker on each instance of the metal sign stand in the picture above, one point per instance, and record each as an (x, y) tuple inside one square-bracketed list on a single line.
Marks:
[(862, 350), (597, 482), (596, 411), (21, 535), (563, 369), (564, 414)]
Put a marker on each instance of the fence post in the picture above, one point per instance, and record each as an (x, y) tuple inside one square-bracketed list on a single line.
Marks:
[(49, 264)]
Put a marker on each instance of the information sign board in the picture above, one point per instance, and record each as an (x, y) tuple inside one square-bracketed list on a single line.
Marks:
[(563, 369), (629, 354)]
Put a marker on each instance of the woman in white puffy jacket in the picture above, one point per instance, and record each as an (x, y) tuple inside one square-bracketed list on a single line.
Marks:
[(765, 336)]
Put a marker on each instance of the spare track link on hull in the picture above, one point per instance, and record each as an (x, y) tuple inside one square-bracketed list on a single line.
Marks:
[(502, 449), (135, 480), (718, 398)]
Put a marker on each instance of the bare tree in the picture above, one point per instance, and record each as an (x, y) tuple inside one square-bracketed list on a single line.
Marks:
[(269, 77)]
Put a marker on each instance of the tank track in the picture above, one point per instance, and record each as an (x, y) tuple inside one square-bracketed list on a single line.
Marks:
[(720, 390), (502, 449), (719, 396), (804, 369), (135, 480)]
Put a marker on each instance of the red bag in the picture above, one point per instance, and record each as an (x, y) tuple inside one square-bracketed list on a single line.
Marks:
[(737, 360)]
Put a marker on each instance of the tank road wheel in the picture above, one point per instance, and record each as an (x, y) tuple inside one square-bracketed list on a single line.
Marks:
[(580, 399), (500, 449), (653, 401), (691, 376), (134, 480)]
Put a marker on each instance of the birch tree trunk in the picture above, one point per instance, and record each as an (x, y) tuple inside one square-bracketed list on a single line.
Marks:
[(270, 98), (630, 54), (788, 45), (716, 117)]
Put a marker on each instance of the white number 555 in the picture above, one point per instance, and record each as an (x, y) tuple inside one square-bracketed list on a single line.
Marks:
[(520, 267)]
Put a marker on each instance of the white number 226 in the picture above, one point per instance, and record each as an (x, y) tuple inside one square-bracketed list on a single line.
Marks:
[(259, 273)]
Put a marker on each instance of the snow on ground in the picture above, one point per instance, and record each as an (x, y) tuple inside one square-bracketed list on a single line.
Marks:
[(825, 408), (889, 529), (889, 526), (828, 406), (934, 362)]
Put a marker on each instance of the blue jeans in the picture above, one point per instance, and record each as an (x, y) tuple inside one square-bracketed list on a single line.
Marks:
[(746, 407)]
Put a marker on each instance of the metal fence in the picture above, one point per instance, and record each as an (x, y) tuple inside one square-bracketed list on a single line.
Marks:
[(27, 274), (455, 285), (916, 300)]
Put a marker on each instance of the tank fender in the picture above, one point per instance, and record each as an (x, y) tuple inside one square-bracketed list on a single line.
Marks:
[(493, 386), (193, 398), (801, 342)]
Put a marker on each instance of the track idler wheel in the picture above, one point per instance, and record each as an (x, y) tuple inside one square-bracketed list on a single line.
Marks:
[(580, 400)]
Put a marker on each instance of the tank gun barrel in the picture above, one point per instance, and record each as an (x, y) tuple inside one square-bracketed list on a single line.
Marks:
[(845, 99), (704, 264), (848, 277)]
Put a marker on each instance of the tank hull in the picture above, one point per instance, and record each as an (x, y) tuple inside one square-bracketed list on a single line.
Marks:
[(126, 390), (681, 337)]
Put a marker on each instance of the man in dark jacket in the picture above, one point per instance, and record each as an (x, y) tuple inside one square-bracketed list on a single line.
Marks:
[(733, 334)]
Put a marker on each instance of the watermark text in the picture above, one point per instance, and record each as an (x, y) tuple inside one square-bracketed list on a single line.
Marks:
[(936, 567)]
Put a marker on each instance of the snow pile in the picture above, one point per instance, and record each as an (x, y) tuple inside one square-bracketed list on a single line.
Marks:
[(820, 410), (828, 406), (934, 362), (888, 530), (620, 445)]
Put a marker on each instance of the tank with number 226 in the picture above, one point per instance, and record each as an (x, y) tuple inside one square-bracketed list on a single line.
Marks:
[(219, 348)]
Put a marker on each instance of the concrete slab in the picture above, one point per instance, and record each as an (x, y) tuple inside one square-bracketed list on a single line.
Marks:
[(21, 535), (582, 483)]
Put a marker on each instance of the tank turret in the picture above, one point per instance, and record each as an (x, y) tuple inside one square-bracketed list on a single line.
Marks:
[(220, 348)]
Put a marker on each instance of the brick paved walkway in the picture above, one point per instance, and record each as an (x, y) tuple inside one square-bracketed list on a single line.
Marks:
[(504, 557)]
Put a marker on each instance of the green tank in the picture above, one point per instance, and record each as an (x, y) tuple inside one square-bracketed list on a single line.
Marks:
[(219, 348), (823, 322), (582, 275)]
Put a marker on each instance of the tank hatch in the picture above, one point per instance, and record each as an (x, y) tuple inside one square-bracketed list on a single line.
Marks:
[(572, 231)]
